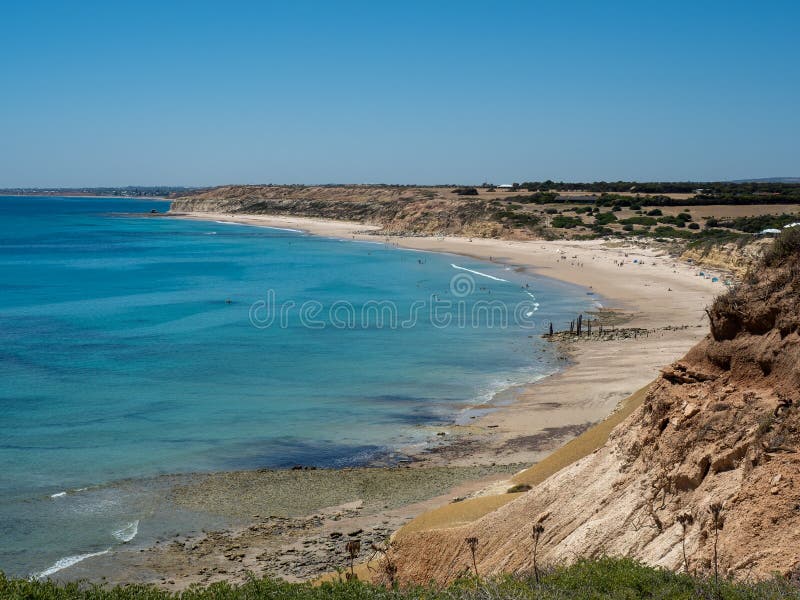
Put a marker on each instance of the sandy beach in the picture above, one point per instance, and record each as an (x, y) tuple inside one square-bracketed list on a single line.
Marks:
[(655, 305), (642, 287)]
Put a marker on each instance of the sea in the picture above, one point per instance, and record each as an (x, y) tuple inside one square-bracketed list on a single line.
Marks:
[(135, 348)]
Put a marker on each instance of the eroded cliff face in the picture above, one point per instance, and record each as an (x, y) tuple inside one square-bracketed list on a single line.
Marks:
[(733, 257), (407, 210), (722, 425)]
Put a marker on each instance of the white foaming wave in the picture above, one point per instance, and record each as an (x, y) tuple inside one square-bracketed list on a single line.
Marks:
[(286, 229), (478, 273), (127, 533), (68, 561), (488, 398), (524, 376), (536, 304), (63, 493), (256, 225)]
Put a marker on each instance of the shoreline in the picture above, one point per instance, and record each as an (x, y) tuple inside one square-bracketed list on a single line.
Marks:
[(658, 293), (533, 420)]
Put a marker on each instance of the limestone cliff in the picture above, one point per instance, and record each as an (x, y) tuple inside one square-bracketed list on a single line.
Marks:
[(398, 209), (734, 257)]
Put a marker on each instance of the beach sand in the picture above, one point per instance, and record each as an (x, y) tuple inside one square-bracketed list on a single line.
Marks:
[(657, 293), (657, 307)]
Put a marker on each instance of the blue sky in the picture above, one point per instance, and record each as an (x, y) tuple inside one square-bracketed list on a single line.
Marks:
[(203, 93)]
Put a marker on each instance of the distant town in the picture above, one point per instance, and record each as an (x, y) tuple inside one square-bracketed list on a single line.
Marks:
[(158, 191)]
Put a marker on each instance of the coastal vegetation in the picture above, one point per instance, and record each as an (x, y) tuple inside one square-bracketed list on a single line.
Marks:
[(674, 212), (720, 192), (600, 579), (565, 222), (753, 224)]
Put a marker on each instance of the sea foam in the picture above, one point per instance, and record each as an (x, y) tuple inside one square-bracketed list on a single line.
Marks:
[(478, 273), (127, 533), (286, 229), (68, 561)]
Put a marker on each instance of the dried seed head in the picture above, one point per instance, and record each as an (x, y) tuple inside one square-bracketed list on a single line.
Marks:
[(716, 513)]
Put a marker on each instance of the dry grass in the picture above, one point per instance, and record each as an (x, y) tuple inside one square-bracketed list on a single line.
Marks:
[(458, 513), (583, 445)]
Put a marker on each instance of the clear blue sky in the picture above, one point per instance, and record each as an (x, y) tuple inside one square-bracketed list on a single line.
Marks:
[(203, 93)]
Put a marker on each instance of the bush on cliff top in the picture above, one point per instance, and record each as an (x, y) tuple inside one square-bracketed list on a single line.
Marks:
[(786, 244), (601, 579)]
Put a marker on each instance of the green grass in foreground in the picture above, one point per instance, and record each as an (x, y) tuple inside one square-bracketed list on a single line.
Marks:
[(597, 579)]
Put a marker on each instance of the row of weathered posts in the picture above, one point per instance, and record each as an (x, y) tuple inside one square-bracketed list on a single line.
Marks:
[(581, 327), (576, 326)]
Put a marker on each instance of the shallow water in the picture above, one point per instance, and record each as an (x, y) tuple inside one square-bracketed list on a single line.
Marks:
[(135, 346)]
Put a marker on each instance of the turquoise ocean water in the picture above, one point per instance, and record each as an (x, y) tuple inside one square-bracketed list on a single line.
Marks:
[(134, 347)]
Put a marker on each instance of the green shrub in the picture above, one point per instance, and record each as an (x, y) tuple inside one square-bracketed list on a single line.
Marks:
[(638, 221), (599, 579), (601, 230), (565, 222), (785, 245), (536, 198), (520, 487), (754, 224), (670, 220), (466, 191), (605, 218)]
